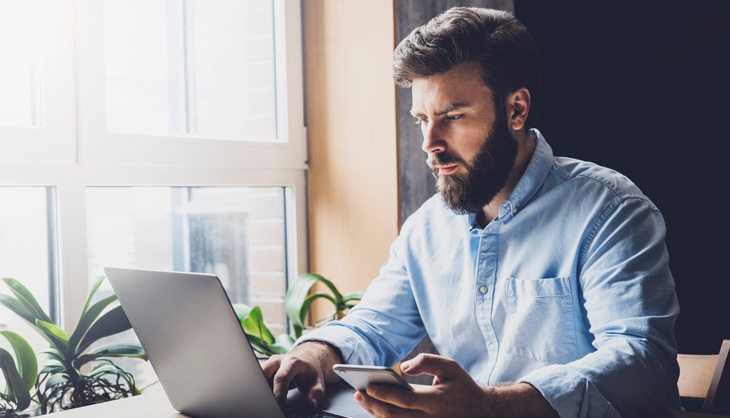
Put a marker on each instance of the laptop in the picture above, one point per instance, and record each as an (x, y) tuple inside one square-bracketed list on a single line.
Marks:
[(208, 369)]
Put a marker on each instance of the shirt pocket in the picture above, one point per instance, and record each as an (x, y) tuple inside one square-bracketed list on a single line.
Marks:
[(539, 323)]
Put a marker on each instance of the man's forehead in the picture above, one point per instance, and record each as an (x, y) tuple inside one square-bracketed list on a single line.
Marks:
[(461, 86)]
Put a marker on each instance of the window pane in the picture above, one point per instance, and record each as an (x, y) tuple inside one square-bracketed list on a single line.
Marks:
[(20, 64), (202, 68), (27, 251), (236, 233)]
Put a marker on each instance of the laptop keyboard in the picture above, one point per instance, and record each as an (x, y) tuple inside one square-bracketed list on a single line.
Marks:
[(297, 413)]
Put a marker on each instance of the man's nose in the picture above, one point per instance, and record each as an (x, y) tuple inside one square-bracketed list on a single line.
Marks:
[(433, 141)]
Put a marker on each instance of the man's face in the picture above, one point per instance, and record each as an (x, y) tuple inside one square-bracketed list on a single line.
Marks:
[(467, 139)]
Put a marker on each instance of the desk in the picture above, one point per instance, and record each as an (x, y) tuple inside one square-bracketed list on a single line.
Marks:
[(154, 404)]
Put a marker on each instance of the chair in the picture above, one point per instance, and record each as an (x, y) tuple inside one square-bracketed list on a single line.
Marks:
[(705, 379)]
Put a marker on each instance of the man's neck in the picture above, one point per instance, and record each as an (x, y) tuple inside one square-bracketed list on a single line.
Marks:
[(525, 149)]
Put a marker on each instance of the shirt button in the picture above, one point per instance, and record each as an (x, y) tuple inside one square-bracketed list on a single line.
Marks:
[(483, 289), (492, 347)]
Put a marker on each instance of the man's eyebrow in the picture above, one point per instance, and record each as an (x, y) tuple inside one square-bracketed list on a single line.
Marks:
[(444, 110)]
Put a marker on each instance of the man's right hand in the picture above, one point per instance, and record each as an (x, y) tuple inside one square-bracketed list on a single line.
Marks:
[(307, 367)]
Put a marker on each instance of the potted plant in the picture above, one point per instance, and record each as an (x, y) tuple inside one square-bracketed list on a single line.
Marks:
[(61, 384), (298, 302), (20, 377)]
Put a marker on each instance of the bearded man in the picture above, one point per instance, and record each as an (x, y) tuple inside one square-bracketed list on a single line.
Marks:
[(542, 281)]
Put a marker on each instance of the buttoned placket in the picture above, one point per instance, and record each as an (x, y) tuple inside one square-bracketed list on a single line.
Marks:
[(486, 278), (485, 275)]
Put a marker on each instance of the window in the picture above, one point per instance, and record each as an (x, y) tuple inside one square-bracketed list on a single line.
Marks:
[(20, 86), (28, 249), (159, 134)]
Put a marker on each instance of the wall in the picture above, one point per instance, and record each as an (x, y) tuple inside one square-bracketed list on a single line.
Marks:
[(351, 124), (416, 182), (642, 87)]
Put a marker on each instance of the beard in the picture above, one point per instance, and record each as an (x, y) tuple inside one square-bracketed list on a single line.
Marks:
[(485, 176)]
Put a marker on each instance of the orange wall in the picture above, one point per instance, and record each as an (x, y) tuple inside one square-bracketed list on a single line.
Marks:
[(351, 124)]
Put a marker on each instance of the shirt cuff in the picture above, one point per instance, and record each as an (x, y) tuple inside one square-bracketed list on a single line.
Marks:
[(571, 394), (352, 349)]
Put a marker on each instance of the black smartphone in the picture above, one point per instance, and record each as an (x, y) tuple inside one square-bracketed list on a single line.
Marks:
[(359, 377)]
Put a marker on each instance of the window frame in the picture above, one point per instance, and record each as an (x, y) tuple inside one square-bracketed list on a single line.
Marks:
[(65, 157)]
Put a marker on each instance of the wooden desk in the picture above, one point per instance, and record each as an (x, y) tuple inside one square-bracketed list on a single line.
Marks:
[(154, 404)]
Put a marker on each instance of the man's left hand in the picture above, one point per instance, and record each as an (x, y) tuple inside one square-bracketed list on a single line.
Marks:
[(453, 394)]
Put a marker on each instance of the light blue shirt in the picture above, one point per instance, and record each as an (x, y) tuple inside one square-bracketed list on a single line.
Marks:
[(568, 289)]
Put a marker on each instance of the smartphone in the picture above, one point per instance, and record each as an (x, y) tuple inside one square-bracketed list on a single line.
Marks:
[(359, 377)]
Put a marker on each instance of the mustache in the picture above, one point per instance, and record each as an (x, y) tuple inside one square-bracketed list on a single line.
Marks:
[(442, 159)]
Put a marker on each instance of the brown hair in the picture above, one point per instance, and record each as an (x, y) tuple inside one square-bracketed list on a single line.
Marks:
[(496, 40)]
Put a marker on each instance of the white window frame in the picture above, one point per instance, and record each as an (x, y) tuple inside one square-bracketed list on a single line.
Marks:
[(73, 151)]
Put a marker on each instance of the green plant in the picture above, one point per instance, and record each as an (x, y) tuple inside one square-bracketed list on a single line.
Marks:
[(259, 335), (61, 383), (299, 300), (20, 377), (297, 303)]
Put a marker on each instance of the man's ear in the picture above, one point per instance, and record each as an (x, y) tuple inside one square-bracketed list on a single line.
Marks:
[(518, 107)]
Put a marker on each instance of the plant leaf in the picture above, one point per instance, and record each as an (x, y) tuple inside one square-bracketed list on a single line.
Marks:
[(55, 334), (25, 296), (16, 389), (259, 345), (53, 369), (88, 318), (354, 296), (284, 343), (254, 325), (19, 308), (311, 298), (92, 292), (27, 362), (112, 322), (330, 285), (297, 293), (55, 379), (112, 350), (54, 355), (298, 331), (242, 310)]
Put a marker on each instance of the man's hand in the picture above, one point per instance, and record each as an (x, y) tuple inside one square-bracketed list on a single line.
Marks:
[(307, 366), (453, 394)]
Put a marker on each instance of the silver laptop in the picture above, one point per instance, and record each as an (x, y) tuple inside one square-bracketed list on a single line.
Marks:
[(199, 351)]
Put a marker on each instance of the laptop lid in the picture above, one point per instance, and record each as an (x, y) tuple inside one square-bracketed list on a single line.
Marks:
[(195, 343)]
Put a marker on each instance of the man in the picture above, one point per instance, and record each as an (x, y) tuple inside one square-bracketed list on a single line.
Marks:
[(548, 272)]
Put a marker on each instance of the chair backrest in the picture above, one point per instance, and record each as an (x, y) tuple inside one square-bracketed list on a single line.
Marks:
[(706, 377)]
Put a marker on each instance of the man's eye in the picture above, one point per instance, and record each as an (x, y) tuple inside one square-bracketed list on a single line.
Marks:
[(454, 117), (421, 121)]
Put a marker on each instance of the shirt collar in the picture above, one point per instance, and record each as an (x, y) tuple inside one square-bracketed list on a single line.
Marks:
[(533, 178), (531, 181)]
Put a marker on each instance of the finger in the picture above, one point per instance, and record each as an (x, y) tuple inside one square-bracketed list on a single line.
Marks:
[(271, 366), (281, 382), (315, 394), (289, 370), (404, 398), (309, 381), (381, 409), (441, 367)]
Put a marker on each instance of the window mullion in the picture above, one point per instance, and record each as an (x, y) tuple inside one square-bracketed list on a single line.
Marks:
[(71, 200)]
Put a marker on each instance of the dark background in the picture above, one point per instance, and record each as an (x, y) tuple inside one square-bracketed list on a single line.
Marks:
[(642, 87)]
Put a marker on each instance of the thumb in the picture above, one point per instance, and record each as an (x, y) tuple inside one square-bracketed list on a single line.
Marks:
[(441, 367)]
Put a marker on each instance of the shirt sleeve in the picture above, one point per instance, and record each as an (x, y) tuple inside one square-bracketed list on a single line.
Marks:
[(630, 306), (384, 327)]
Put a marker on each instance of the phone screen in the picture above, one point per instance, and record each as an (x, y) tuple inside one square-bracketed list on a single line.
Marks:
[(359, 377)]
